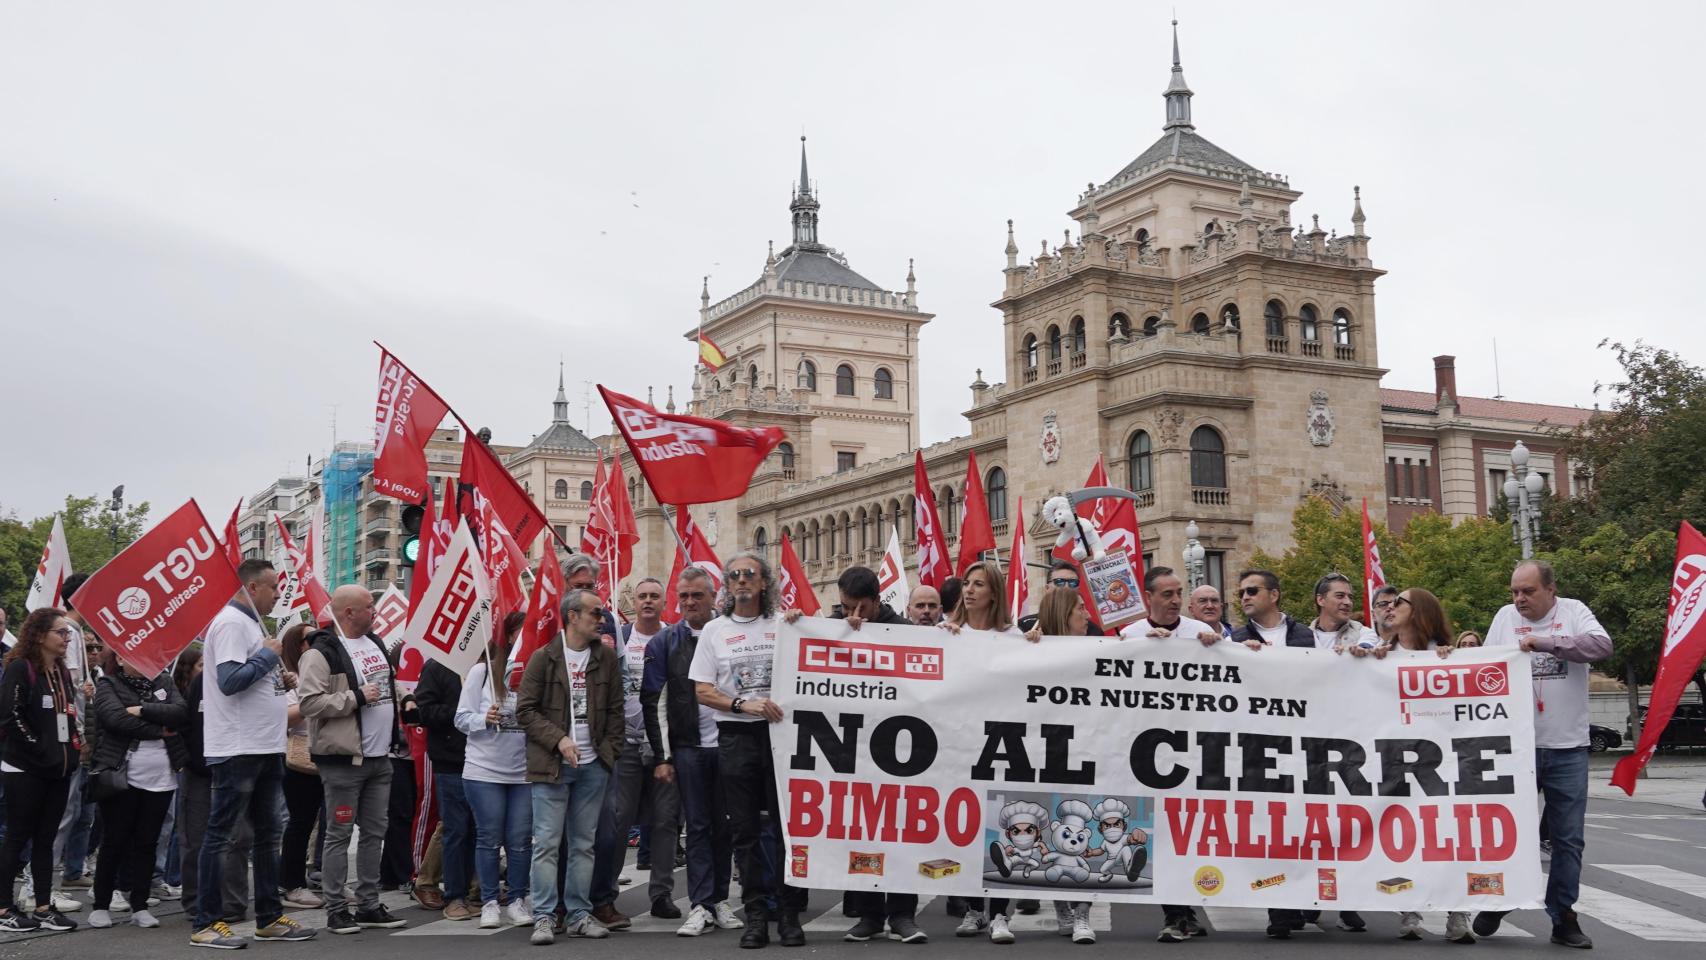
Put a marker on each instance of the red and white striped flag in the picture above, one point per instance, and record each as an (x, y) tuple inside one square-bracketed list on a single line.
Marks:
[(1373, 576), (1685, 650), (794, 590), (932, 544), (1018, 580)]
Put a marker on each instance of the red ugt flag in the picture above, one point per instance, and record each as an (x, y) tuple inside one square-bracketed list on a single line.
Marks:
[(690, 459), (976, 533), (482, 471), (311, 593), (795, 591), (1685, 647), (403, 421), (1373, 575), (932, 546), (149, 602)]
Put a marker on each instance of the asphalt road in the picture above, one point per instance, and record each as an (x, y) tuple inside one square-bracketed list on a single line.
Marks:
[(1643, 896)]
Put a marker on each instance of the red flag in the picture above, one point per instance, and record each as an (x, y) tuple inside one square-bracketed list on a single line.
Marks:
[(151, 601), (1373, 576), (795, 592), (1116, 518), (482, 471), (1018, 580), (436, 527), (699, 554), (626, 527), (1685, 648), (544, 612), (610, 532), (690, 459), (407, 414), (976, 533), (932, 546), (311, 594), (504, 561), (454, 623), (51, 572), (232, 552)]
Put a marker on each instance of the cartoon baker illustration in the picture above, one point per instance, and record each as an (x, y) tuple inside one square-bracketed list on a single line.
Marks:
[(1021, 825)]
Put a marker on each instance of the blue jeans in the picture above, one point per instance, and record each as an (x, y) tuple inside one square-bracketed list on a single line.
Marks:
[(503, 819), (254, 785), (458, 839), (166, 848), (566, 812), (1563, 776), (709, 852)]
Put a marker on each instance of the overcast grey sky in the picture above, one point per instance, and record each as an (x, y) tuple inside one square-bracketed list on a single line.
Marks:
[(208, 210)]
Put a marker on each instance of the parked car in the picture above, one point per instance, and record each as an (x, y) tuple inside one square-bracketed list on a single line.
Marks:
[(1603, 738), (1687, 727)]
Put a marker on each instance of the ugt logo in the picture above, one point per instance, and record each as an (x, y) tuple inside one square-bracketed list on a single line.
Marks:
[(1453, 681)]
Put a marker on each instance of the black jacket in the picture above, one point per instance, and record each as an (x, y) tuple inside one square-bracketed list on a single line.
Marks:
[(885, 614), (436, 696), (1296, 634), (193, 735), (31, 730), (120, 730), (668, 656)]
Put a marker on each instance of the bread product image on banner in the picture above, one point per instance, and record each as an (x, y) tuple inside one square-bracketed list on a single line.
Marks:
[(866, 863), (799, 859), (1395, 885), (1049, 841), (939, 868)]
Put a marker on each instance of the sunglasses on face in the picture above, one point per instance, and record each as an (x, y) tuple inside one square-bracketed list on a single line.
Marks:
[(595, 612), (1403, 600), (1071, 582), (1253, 591), (743, 574)]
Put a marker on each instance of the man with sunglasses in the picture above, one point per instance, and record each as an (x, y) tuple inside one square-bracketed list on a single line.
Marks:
[(1205, 605), (1265, 624), (571, 704), (1063, 575)]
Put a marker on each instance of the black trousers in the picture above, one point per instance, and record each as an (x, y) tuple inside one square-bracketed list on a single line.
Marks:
[(870, 903), (397, 861), (132, 833), (749, 795), (33, 808), (303, 795)]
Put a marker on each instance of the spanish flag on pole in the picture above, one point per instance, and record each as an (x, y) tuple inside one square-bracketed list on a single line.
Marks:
[(710, 354)]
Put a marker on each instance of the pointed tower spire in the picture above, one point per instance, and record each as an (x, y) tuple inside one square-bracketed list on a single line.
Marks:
[(560, 406), (1357, 218), (911, 281), (1178, 94), (804, 209), (804, 189), (670, 406), (705, 293), (1012, 248)]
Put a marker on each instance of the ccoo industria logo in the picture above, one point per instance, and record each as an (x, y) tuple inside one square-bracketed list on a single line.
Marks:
[(870, 659)]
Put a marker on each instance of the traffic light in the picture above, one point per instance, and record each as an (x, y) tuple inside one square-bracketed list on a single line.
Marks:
[(412, 515)]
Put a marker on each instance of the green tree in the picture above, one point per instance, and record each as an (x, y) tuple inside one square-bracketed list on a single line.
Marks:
[(89, 535), (1626, 582), (1322, 541)]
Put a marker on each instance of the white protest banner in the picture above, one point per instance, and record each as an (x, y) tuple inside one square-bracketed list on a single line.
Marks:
[(912, 760)]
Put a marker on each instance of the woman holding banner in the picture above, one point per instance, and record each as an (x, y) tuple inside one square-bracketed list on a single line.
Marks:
[(494, 778), (133, 777), (37, 711)]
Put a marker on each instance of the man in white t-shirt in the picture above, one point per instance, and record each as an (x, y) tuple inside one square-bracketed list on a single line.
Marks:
[(633, 789), (1562, 637), (243, 713), (1164, 598), (731, 673), (349, 696), (1335, 625)]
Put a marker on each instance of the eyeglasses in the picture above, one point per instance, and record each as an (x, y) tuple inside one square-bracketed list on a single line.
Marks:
[(1385, 604), (65, 632), (595, 611), (1070, 582), (743, 574), (1403, 600), (1252, 591)]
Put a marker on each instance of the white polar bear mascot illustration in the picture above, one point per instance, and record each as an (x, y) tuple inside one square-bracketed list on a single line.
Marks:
[(1085, 539), (1021, 827), (1123, 845), (1070, 838)]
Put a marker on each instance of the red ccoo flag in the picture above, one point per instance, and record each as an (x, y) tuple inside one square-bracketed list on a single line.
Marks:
[(690, 459), (1685, 648), (1116, 518), (232, 551), (976, 533), (699, 554), (795, 591), (482, 471), (407, 413), (932, 546), (1373, 575), (610, 532), (1018, 580), (149, 602), (544, 613)]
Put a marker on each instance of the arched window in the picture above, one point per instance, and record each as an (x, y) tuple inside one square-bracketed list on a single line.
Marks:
[(1273, 319), (752, 375), (760, 541), (1031, 351), (1199, 323), (817, 540), (1141, 238), (561, 490), (1229, 316), (863, 520), (586, 489), (1310, 321), (1077, 334), (1210, 229), (734, 379), (1208, 458), (1140, 464), (807, 375), (1342, 327), (844, 381), (945, 507), (786, 451), (995, 490), (885, 384), (1119, 325), (1151, 325), (1053, 342), (632, 491)]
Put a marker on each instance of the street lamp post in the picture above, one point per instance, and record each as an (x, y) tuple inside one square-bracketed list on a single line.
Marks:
[(1194, 553), (1522, 495), (116, 507)]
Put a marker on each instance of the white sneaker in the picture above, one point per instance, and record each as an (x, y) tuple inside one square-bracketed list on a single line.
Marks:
[(304, 898), (587, 927), (65, 904), (1457, 927), (1081, 932), (998, 932), (491, 916), (520, 911), (1409, 926), (101, 919), (971, 924), (144, 919), (698, 921), (726, 919), (1063, 918)]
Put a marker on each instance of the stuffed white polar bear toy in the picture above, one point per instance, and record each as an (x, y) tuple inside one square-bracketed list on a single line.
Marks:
[(1074, 530)]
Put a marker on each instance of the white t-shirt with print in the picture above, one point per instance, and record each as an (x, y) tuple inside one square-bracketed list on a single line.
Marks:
[(634, 671), (576, 661), (707, 716), (737, 655), (252, 720), (1188, 628), (377, 716), (495, 754), (1560, 686)]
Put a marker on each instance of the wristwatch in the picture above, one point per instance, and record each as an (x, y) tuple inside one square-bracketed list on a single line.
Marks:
[(734, 706)]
